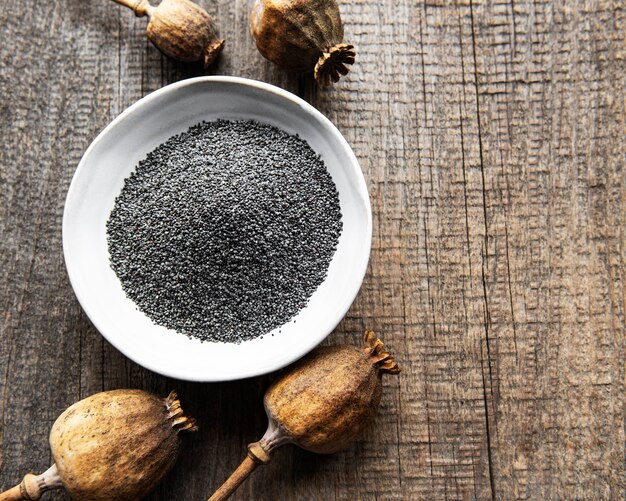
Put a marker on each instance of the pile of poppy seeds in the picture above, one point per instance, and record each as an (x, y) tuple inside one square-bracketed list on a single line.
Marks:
[(224, 232)]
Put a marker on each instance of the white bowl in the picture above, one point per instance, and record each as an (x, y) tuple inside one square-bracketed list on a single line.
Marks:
[(113, 156)]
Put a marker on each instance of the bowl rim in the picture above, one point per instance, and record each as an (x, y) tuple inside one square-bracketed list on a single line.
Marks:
[(356, 174)]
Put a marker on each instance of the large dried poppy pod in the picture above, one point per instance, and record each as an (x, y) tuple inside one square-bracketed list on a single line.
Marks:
[(180, 29), (322, 403), (112, 445), (302, 35)]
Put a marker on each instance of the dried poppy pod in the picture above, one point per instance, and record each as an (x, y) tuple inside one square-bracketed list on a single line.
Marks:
[(302, 35), (112, 445), (180, 29), (322, 403)]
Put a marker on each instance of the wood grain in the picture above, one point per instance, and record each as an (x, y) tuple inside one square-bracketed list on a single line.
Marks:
[(491, 135)]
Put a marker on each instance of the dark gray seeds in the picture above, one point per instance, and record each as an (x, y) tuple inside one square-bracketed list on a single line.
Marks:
[(223, 232)]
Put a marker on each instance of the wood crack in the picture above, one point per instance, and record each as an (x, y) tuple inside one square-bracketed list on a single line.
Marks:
[(485, 255)]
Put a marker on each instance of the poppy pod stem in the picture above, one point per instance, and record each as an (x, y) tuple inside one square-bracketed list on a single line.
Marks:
[(258, 454), (139, 7), (33, 486)]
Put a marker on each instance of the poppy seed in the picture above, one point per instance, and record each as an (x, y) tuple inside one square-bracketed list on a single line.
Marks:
[(225, 231)]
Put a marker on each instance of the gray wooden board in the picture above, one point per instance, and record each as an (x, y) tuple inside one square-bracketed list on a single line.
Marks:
[(491, 135)]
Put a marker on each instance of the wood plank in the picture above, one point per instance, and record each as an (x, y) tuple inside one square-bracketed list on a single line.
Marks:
[(554, 170), (491, 138), (49, 115)]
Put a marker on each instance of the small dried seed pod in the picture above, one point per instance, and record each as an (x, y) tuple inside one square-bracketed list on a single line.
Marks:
[(112, 445), (322, 403), (302, 35), (180, 29)]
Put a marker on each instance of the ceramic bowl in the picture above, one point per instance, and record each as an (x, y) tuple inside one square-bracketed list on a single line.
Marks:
[(114, 154)]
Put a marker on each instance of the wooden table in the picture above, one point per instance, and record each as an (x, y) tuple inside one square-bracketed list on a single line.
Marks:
[(491, 135)]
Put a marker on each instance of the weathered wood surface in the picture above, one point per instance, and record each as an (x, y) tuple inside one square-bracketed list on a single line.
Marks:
[(491, 135)]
